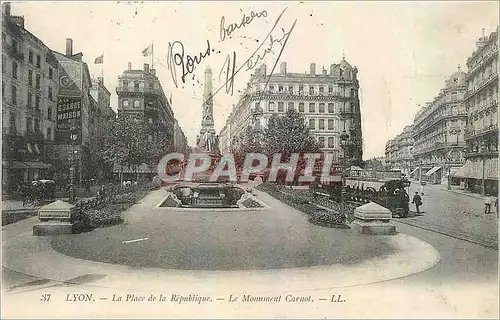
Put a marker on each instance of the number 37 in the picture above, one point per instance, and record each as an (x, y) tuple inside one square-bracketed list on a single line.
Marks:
[(45, 297)]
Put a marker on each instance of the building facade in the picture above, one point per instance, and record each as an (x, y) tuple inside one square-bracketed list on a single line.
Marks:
[(141, 95), (438, 133), (30, 80), (74, 132), (481, 168), (180, 140), (328, 100), (398, 151), (101, 117)]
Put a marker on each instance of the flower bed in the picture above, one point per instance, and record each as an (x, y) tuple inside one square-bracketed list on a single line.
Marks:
[(97, 213), (301, 202)]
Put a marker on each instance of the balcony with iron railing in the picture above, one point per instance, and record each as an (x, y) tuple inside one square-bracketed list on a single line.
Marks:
[(484, 106), (474, 133), (493, 76), (437, 119)]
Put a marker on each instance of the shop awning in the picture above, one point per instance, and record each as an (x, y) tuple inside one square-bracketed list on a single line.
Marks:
[(355, 168), (433, 170), (453, 171), (460, 172), (414, 170)]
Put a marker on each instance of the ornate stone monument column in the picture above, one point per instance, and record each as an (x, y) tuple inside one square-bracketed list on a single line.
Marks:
[(208, 140)]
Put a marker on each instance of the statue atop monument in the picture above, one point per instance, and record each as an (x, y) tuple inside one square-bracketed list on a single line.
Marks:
[(208, 140)]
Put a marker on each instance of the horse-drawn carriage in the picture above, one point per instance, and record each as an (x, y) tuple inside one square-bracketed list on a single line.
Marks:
[(390, 193)]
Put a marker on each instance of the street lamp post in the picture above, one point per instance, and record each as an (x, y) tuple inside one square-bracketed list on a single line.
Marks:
[(483, 150), (344, 137), (72, 190)]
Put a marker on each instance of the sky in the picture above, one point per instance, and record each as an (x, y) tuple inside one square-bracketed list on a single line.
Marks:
[(404, 51)]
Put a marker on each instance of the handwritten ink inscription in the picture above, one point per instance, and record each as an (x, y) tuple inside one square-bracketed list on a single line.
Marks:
[(267, 45), (245, 21), (187, 63)]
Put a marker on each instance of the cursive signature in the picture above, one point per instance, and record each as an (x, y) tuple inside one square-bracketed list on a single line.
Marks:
[(175, 57), (229, 66), (246, 20)]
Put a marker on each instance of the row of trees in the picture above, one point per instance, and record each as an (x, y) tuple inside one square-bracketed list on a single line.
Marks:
[(130, 142), (284, 134)]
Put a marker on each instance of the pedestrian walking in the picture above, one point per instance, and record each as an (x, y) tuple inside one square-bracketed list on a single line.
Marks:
[(417, 200), (487, 204)]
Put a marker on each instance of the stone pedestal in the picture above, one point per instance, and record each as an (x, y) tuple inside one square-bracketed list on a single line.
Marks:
[(373, 219), (55, 218)]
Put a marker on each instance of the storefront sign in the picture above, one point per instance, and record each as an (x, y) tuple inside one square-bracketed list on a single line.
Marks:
[(70, 79)]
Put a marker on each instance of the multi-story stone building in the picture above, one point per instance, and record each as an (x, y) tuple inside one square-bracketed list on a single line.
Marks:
[(438, 133), (328, 100), (481, 168), (180, 140), (141, 95), (30, 79), (398, 151), (75, 115), (101, 117)]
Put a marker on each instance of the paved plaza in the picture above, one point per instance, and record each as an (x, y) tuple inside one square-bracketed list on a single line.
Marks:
[(260, 252)]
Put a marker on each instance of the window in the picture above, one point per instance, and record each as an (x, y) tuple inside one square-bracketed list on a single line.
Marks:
[(321, 89), (330, 124), (280, 88), (331, 108), (12, 119), (30, 100), (322, 108), (330, 89), (30, 56), (301, 106), (30, 77), (14, 95), (290, 89), (311, 90), (137, 103), (50, 93), (301, 88), (290, 106), (136, 84), (150, 120), (331, 142), (321, 141), (125, 83), (29, 125), (312, 124), (125, 103), (37, 81), (281, 107), (321, 124), (49, 134), (37, 102), (38, 60), (14, 70), (37, 125), (270, 106), (49, 113), (51, 73), (312, 107)]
